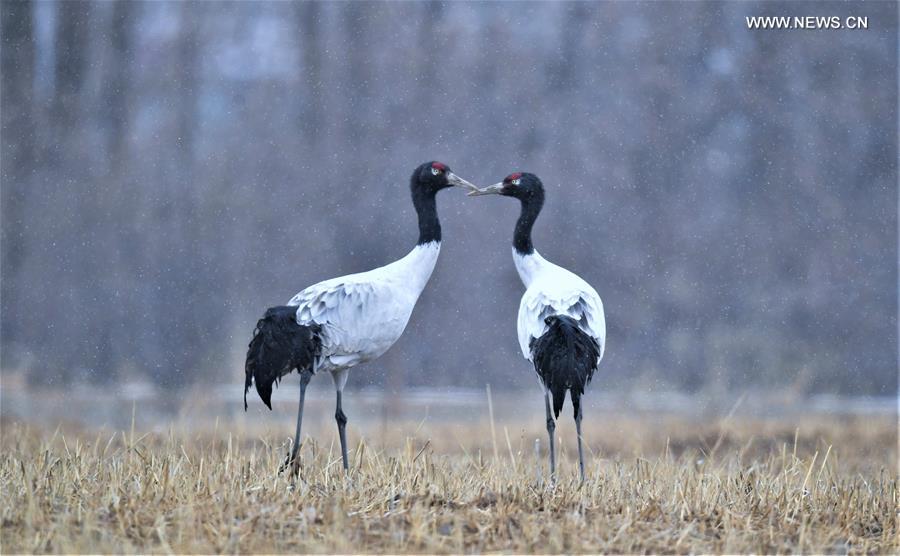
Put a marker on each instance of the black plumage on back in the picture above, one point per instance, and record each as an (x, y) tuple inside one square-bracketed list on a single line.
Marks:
[(565, 358), (279, 346)]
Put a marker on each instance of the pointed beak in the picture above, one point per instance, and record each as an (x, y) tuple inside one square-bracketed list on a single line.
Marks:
[(453, 179), (495, 189)]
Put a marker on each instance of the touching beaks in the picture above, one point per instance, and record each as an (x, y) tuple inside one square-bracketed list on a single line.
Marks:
[(453, 179), (495, 189)]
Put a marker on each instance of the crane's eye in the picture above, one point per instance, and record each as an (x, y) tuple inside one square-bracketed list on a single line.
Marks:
[(435, 171), (516, 181)]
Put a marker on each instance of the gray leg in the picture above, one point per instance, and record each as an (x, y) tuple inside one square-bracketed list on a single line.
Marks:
[(578, 431), (342, 429), (551, 426), (292, 460)]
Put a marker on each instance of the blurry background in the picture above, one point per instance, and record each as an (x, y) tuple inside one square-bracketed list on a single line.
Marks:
[(169, 170)]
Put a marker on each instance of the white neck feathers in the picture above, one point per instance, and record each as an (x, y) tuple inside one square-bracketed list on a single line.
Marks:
[(416, 267), (529, 266)]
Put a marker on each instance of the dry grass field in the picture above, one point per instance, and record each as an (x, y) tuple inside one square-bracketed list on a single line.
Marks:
[(655, 485)]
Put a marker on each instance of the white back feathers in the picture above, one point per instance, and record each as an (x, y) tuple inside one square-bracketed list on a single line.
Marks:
[(553, 290)]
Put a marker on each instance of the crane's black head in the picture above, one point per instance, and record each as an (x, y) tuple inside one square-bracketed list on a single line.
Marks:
[(528, 189), (524, 186), (431, 177), (426, 181)]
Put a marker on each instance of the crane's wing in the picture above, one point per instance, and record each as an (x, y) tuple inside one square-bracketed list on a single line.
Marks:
[(360, 318), (572, 297)]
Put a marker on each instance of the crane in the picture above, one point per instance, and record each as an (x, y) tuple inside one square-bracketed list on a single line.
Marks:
[(561, 325), (339, 323)]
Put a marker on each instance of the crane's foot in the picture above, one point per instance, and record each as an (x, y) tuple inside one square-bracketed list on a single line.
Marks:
[(285, 465), (292, 463)]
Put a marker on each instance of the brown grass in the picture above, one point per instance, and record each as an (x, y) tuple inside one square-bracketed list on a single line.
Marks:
[(661, 485)]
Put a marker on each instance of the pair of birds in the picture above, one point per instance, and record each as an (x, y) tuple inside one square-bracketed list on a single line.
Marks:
[(337, 324)]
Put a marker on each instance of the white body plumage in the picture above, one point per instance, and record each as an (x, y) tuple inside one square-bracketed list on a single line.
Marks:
[(362, 315), (553, 290)]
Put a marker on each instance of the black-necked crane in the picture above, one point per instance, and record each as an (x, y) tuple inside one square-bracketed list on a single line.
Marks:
[(561, 325), (337, 324)]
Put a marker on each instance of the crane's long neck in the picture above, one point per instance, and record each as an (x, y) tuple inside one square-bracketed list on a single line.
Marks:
[(529, 262), (426, 208), (531, 207), (415, 268)]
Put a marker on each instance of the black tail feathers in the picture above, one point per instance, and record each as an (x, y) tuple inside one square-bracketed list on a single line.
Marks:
[(279, 346), (565, 357)]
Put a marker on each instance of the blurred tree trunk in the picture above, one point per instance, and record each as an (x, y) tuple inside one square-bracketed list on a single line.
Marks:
[(352, 127), (70, 182), (116, 99), (427, 62), (18, 56), (72, 39), (123, 195), (308, 18), (357, 28), (567, 66), (185, 331)]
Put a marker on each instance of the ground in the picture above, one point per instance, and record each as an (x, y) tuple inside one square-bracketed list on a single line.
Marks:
[(655, 484)]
